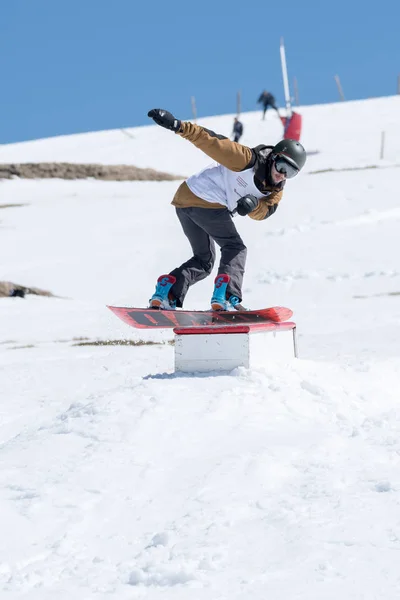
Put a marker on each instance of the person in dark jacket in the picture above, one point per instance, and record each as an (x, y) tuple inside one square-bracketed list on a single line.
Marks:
[(243, 181), (267, 99), (237, 129)]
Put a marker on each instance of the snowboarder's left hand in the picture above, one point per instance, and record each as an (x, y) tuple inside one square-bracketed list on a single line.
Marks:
[(246, 204), (164, 118)]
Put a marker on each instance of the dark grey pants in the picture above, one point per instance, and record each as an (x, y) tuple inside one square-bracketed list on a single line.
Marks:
[(203, 227)]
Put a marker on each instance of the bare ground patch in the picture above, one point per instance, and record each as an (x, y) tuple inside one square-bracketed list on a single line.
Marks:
[(123, 343), (341, 170), (54, 170), (377, 295), (22, 347), (13, 345), (12, 205)]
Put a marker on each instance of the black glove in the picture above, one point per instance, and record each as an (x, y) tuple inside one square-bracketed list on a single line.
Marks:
[(246, 204), (164, 118)]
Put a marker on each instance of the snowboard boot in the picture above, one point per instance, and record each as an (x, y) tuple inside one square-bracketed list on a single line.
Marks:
[(218, 300), (162, 298)]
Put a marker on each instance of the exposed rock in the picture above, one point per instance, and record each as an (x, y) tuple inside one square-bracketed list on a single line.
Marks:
[(9, 289)]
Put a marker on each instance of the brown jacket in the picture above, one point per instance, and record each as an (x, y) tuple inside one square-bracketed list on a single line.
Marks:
[(231, 155)]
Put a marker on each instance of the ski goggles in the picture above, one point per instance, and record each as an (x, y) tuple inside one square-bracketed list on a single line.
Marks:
[(285, 168)]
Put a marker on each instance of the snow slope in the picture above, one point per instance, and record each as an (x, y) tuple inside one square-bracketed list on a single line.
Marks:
[(120, 478)]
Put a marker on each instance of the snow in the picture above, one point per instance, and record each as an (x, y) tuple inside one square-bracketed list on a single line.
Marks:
[(119, 477)]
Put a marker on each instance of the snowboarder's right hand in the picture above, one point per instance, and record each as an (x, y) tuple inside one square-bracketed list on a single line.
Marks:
[(164, 118)]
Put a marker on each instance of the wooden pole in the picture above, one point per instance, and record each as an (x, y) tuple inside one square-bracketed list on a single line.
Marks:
[(337, 79), (238, 103), (296, 92), (382, 145), (194, 110)]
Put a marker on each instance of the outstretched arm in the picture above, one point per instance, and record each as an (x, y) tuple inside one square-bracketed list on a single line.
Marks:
[(230, 154)]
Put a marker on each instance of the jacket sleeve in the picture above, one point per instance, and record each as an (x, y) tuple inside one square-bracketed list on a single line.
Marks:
[(224, 151), (266, 206)]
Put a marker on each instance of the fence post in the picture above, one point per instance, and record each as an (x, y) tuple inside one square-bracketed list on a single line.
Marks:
[(339, 87), (382, 145), (238, 103), (194, 111)]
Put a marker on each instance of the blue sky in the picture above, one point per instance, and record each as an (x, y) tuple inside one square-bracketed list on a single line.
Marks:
[(76, 66)]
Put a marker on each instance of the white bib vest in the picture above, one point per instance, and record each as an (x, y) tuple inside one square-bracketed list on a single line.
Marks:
[(218, 184)]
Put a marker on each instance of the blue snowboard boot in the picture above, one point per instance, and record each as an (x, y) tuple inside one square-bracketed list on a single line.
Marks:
[(218, 300), (161, 298)]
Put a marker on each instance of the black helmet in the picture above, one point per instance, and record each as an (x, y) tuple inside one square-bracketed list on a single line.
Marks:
[(292, 151)]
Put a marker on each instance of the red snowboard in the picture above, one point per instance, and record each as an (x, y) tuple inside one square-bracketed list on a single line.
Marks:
[(145, 318)]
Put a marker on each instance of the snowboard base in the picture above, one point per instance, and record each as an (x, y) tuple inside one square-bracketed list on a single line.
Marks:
[(147, 318)]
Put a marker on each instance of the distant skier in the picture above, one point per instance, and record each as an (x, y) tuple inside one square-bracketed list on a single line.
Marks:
[(267, 99), (246, 181), (237, 129)]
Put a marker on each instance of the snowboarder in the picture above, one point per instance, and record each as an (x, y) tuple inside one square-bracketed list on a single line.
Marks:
[(267, 99), (246, 181)]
